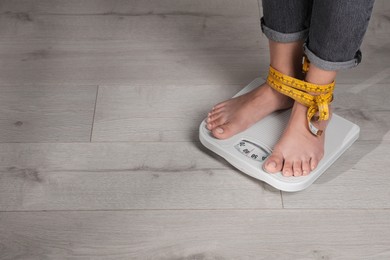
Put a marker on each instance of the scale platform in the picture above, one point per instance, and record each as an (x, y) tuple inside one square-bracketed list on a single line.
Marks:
[(248, 150)]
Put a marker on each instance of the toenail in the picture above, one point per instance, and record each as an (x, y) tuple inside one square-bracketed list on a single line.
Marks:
[(285, 173), (304, 172), (219, 130), (272, 164)]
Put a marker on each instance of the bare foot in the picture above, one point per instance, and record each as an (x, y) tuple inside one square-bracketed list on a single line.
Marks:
[(237, 114), (298, 151)]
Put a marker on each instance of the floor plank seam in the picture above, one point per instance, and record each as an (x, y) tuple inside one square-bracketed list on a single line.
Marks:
[(181, 209), (259, 11), (136, 170), (94, 113), (375, 141), (281, 198)]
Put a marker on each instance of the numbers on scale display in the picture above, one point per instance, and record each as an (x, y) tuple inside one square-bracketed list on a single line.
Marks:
[(251, 150)]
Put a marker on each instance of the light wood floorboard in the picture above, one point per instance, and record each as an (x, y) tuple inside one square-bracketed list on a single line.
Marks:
[(137, 174), (46, 113), (109, 156), (124, 176), (233, 234), (138, 189)]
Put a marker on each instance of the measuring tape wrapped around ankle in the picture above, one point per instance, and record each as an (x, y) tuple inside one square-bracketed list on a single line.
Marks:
[(315, 97)]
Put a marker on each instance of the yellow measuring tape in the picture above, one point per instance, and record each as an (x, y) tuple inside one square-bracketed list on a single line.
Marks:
[(315, 97)]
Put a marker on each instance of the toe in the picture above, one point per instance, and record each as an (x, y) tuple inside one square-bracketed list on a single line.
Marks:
[(305, 167), (219, 106), (287, 168), (214, 117), (313, 163), (274, 163), (225, 130), (297, 168), (215, 112), (215, 120), (212, 114)]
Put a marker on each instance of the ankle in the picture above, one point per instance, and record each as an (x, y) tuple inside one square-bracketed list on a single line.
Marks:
[(287, 57), (319, 76)]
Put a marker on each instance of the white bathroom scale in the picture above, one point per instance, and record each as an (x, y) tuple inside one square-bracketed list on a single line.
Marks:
[(248, 150)]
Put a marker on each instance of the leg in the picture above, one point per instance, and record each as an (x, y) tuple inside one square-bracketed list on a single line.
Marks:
[(336, 32), (285, 45)]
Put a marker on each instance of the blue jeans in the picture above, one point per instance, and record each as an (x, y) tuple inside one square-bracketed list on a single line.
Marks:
[(332, 30)]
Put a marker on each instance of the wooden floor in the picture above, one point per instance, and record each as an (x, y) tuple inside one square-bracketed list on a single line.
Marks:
[(99, 157)]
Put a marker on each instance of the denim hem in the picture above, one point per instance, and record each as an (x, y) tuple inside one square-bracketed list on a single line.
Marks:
[(332, 65), (283, 37)]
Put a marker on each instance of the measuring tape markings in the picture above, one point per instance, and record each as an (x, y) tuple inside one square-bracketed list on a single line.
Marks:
[(298, 90)]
